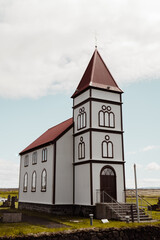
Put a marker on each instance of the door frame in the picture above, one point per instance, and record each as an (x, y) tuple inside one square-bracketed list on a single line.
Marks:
[(108, 166)]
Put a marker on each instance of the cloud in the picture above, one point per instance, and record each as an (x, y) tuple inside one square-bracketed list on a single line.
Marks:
[(153, 166), (46, 45), (150, 147), (9, 174)]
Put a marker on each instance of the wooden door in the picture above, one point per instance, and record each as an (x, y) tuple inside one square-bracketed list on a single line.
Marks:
[(108, 184)]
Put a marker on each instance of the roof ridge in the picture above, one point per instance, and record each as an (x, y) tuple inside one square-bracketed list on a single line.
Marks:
[(60, 123), (93, 67)]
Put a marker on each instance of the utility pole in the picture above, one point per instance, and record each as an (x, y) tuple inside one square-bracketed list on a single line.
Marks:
[(135, 177)]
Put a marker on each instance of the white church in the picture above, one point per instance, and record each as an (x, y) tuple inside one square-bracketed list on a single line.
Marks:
[(68, 167)]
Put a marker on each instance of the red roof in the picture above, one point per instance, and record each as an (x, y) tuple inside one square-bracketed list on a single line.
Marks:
[(50, 135), (97, 75)]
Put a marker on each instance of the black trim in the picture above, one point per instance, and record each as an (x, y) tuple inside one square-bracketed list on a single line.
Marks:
[(98, 88), (98, 161), (91, 183), (97, 130), (96, 100), (54, 173)]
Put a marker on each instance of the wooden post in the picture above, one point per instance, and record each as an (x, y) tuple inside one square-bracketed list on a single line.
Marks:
[(135, 177)]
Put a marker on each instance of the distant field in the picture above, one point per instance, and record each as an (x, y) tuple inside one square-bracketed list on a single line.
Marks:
[(8, 189), (144, 192)]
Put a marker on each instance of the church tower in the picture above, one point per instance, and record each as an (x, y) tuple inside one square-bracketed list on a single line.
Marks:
[(98, 154)]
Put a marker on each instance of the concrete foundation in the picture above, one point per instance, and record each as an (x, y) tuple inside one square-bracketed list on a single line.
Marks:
[(59, 210)]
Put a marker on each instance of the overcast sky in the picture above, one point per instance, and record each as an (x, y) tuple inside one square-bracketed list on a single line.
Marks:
[(45, 47)]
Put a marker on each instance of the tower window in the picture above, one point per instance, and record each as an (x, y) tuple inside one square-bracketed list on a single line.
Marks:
[(44, 180), (106, 117), (34, 178), (25, 182), (44, 155), (81, 119), (107, 148), (34, 158), (81, 149), (26, 161)]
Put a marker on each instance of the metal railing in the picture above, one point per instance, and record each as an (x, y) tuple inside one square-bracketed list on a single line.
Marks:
[(143, 203), (101, 197)]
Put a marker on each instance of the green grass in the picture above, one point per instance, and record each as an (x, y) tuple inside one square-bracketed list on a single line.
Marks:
[(14, 229)]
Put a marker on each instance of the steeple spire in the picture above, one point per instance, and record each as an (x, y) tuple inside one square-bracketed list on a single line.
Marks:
[(97, 75)]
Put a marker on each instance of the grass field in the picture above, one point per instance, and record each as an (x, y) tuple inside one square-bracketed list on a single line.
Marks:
[(22, 228)]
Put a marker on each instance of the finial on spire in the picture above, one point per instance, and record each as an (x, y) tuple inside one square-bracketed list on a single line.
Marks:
[(95, 40)]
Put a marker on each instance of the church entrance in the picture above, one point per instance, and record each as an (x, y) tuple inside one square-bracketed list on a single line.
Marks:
[(108, 184)]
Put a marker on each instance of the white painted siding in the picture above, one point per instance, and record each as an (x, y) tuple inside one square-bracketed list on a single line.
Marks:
[(96, 168), (98, 138), (82, 184), (38, 196), (105, 95), (83, 96), (97, 106), (64, 169)]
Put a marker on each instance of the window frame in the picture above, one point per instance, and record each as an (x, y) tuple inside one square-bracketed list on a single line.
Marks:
[(26, 160), (81, 149), (25, 186), (44, 154), (102, 117), (34, 156), (106, 143), (45, 188), (32, 188)]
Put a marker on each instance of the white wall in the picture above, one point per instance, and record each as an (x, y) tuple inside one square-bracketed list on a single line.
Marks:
[(83, 96), (96, 168), (105, 95), (97, 106), (38, 196), (82, 184), (64, 169), (98, 138)]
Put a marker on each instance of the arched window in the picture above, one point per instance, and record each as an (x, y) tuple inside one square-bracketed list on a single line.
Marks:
[(106, 118), (44, 180), (25, 182), (81, 119), (34, 179), (81, 149), (108, 171), (107, 148), (44, 155), (26, 161), (34, 158)]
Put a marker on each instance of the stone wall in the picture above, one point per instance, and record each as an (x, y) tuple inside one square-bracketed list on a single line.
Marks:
[(59, 210), (139, 233)]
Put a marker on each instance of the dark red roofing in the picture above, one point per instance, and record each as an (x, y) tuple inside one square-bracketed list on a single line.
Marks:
[(50, 135), (97, 75)]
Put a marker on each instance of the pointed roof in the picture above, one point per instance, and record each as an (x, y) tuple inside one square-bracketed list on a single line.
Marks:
[(97, 75), (51, 135)]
